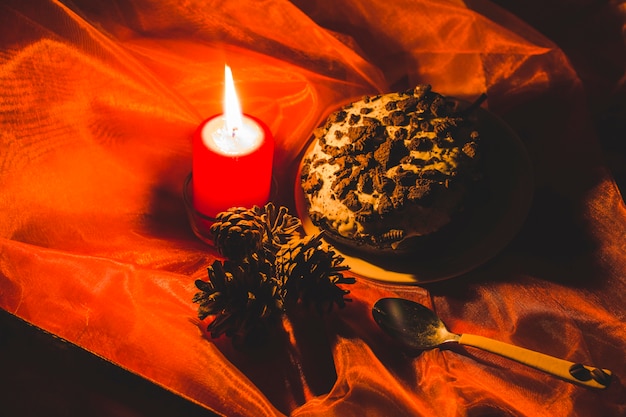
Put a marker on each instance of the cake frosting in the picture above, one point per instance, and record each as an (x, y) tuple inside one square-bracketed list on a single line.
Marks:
[(391, 167)]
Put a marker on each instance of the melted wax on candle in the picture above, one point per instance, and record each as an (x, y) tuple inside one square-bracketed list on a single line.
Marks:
[(239, 141)]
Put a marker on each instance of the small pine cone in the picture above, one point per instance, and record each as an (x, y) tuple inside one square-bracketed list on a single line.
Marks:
[(236, 233), (310, 272), (280, 226), (243, 297)]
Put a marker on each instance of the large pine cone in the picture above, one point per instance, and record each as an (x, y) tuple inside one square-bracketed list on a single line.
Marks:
[(237, 234), (310, 271), (242, 296)]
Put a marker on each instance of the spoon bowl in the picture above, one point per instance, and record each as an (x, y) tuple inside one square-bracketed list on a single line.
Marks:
[(415, 325), (418, 327)]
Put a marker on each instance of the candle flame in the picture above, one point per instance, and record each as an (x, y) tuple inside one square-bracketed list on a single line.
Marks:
[(232, 108)]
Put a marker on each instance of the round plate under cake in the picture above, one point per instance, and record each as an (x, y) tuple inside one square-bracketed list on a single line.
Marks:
[(477, 237)]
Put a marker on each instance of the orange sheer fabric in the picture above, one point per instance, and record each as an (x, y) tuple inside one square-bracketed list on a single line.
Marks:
[(98, 100)]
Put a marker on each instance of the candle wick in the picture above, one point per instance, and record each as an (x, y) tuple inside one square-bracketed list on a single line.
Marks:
[(234, 132)]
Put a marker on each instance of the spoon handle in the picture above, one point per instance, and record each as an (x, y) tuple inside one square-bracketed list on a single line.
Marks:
[(569, 371)]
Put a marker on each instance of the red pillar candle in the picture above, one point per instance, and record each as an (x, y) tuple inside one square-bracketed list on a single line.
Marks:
[(232, 159)]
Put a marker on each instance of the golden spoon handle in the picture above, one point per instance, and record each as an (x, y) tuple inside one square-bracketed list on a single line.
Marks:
[(569, 371)]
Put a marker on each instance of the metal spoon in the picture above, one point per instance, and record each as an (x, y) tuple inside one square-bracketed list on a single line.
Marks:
[(417, 327)]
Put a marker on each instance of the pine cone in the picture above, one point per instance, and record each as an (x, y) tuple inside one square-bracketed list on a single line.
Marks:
[(280, 226), (242, 296), (310, 272), (267, 265), (237, 233)]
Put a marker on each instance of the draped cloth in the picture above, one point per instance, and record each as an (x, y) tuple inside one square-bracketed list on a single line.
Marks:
[(98, 102)]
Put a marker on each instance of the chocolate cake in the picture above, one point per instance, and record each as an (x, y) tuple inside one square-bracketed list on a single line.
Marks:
[(391, 169)]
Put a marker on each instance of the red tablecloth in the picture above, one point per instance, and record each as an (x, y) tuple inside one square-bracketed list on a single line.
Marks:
[(98, 100)]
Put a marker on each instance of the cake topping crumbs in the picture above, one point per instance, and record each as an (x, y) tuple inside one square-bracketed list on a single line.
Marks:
[(365, 183), (390, 153), (400, 150), (470, 149), (444, 124), (401, 134), (352, 201), (423, 106), (397, 197), (371, 121), (380, 182), (365, 160), (356, 132), (431, 174), (338, 116), (439, 107), (365, 215), (426, 126), (392, 235), (318, 162), (342, 186), (421, 191), (398, 118), (332, 150), (391, 105), (385, 205), (406, 177), (407, 105), (354, 119), (313, 183), (421, 91), (421, 144)]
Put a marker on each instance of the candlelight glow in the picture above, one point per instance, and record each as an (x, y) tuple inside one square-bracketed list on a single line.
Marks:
[(232, 109), (232, 133), (232, 160)]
